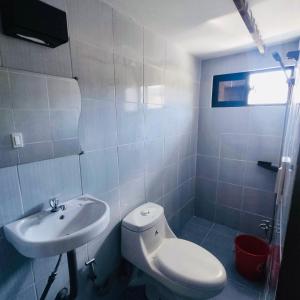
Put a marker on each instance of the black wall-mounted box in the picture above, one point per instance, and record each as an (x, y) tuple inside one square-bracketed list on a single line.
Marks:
[(34, 21)]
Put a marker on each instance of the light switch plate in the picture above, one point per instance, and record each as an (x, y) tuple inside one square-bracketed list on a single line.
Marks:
[(17, 140)]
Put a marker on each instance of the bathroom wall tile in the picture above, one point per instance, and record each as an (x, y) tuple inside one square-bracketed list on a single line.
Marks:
[(131, 161), (28, 293), (28, 91), (187, 192), (95, 71), (154, 121), (170, 178), (186, 213), (171, 124), (171, 203), (6, 127), (16, 274), (99, 171), (63, 93), (95, 116), (233, 146), (206, 189), (266, 148), (250, 224), (232, 171), (22, 55), (227, 216), (64, 124), (11, 203), (132, 194), (258, 202), (187, 169), (208, 143), (232, 120), (34, 125), (5, 101), (207, 167), (204, 209), (171, 149), (259, 178), (60, 282), (91, 22), (153, 85), (154, 49), (185, 146), (108, 257), (35, 152), (128, 37), (130, 122), (8, 157), (43, 180), (229, 195), (267, 120), (154, 186), (129, 80), (65, 147), (154, 154)]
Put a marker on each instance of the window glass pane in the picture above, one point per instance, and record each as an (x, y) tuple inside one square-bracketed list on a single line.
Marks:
[(233, 90), (268, 88)]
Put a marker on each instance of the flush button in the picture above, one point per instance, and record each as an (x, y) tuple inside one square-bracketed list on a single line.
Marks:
[(145, 212)]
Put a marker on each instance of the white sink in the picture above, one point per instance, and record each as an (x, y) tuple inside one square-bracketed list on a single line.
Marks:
[(51, 233)]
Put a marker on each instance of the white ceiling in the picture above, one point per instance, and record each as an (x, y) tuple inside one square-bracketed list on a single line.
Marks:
[(209, 28)]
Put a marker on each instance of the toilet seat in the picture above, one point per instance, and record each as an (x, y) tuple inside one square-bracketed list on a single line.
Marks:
[(189, 265)]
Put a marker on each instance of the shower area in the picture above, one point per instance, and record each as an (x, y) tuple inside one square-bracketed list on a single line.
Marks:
[(240, 150)]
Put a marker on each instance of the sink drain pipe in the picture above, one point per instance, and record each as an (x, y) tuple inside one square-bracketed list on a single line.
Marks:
[(72, 266), (51, 279)]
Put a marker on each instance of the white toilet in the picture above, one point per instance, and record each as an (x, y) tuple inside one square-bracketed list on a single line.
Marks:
[(178, 269)]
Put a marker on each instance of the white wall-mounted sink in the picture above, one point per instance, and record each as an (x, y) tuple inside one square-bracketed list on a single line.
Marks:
[(51, 233)]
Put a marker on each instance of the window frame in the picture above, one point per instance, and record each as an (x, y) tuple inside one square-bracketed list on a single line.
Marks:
[(238, 76)]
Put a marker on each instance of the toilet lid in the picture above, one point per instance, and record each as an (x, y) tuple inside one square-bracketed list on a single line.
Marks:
[(189, 264)]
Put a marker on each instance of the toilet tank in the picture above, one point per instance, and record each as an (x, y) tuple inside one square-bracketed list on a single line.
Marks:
[(143, 231)]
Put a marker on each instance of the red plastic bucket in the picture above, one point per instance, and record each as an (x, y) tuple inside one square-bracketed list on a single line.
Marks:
[(251, 254)]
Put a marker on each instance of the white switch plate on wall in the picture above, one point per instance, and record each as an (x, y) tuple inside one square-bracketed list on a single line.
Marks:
[(17, 140)]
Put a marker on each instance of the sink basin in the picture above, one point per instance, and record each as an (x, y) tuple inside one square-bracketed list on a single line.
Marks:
[(51, 233)]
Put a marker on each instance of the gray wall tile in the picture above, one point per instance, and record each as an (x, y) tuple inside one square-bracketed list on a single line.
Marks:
[(232, 171), (92, 25), (128, 37), (259, 202), (258, 177), (132, 194), (99, 171), (129, 80), (207, 167), (233, 146), (229, 195), (95, 71), (206, 190), (98, 124), (43, 180), (11, 204), (28, 91), (130, 122), (227, 216), (265, 148), (131, 161), (4, 90)]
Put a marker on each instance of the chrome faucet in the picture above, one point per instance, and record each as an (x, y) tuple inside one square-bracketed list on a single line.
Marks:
[(53, 202)]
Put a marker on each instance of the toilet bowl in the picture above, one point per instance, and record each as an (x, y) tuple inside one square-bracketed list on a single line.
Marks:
[(177, 267)]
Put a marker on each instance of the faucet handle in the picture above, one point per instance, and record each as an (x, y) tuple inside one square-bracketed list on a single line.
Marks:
[(53, 202)]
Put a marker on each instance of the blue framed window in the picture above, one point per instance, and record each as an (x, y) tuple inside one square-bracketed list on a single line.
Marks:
[(266, 87)]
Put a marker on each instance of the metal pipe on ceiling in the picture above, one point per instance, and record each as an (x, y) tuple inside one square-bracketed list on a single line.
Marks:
[(246, 14)]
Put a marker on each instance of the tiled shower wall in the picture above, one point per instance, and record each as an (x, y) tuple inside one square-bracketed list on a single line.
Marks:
[(231, 188), (138, 130)]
